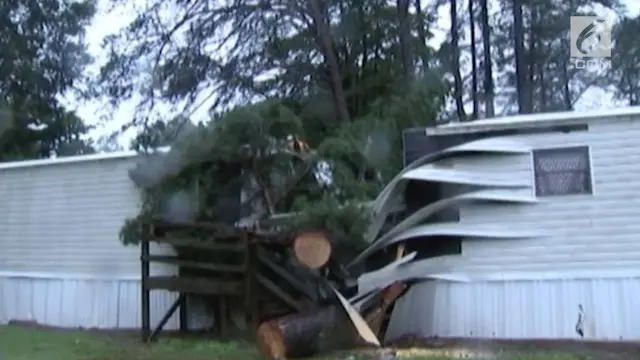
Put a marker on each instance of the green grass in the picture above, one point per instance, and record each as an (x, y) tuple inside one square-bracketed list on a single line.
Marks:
[(26, 343), (18, 343)]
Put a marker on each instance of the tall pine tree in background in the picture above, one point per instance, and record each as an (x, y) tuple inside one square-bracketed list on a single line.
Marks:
[(42, 56), (524, 59)]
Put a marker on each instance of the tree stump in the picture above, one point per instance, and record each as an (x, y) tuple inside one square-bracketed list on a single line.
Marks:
[(312, 249)]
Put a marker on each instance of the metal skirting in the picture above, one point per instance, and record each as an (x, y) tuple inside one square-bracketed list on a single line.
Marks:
[(520, 309), (86, 303)]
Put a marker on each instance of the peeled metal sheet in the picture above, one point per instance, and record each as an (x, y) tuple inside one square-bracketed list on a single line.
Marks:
[(490, 145), (363, 297), (429, 173), (422, 269), (488, 231), (451, 176), (522, 196), (497, 145), (455, 176)]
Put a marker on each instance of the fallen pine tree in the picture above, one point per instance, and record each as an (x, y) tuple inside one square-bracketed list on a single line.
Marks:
[(329, 328)]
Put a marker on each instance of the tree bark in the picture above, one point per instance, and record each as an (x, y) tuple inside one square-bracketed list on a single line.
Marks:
[(404, 30), (304, 334), (422, 36), (318, 330), (488, 63), (474, 61), (455, 63), (375, 317), (324, 42), (522, 83)]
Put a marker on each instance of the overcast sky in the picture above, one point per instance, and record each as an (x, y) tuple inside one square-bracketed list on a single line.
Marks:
[(109, 21)]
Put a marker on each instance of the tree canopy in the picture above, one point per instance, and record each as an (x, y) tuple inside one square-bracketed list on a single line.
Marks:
[(42, 58), (350, 74), (334, 74)]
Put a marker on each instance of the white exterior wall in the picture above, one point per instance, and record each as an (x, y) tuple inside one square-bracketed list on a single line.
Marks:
[(61, 261), (532, 288)]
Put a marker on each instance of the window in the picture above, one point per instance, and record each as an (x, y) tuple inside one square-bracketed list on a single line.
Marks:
[(562, 171)]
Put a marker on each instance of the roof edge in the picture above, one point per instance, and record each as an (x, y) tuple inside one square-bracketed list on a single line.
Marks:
[(74, 159), (532, 120)]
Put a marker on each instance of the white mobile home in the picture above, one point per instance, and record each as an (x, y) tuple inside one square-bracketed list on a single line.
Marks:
[(536, 218), (541, 214), (61, 262)]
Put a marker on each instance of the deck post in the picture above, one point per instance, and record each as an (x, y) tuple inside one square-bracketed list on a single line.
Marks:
[(165, 318), (144, 274), (250, 293), (184, 313)]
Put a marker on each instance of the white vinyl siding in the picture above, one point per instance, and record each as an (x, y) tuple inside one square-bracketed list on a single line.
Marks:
[(64, 218), (585, 231)]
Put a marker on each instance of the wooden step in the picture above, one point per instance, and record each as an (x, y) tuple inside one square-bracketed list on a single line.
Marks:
[(195, 264), (193, 285), (202, 244)]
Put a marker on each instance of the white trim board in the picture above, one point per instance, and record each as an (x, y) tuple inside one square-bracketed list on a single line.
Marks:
[(76, 159), (67, 276), (541, 119), (452, 276), (585, 274)]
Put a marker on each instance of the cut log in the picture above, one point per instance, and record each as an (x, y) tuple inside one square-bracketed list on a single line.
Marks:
[(304, 334), (312, 249)]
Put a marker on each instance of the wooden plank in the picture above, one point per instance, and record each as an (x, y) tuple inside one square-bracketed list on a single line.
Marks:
[(161, 226), (221, 230), (267, 259), (200, 244), (223, 316), (195, 264), (165, 318), (183, 315), (192, 285), (277, 291), (251, 293)]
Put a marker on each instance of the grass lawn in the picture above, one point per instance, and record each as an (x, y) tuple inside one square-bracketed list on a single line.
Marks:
[(26, 343)]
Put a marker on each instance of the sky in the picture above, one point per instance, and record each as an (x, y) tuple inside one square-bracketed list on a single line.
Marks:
[(109, 21)]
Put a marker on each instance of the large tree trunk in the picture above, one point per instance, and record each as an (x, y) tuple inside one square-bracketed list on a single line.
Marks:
[(474, 61), (422, 35), (305, 334), (488, 63), (455, 62), (324, 329), (522, 83), (323, 39), (535, 61), (404, 30)]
